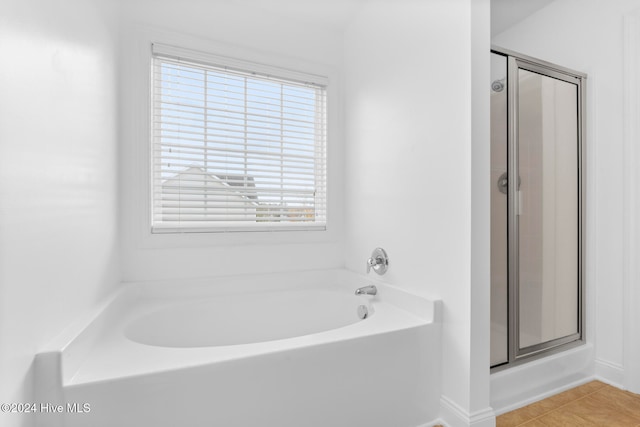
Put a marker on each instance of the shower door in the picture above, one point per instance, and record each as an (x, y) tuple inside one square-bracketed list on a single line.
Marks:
[(537, 224)]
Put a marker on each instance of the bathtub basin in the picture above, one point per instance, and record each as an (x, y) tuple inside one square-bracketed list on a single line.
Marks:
[(244, 319)]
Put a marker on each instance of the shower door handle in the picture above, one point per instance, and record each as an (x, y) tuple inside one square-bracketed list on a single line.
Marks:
[(503, 183), (503, 187)]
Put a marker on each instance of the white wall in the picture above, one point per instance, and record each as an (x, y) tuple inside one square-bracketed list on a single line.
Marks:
[(408, 132), (246, 30), (587, 35), (632, 201), (481, 181), (58, 176), (416, 137)]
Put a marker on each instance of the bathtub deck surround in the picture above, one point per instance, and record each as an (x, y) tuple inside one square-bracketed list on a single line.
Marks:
[(201, 351)]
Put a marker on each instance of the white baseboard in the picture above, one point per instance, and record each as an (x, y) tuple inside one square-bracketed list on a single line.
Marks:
[(610, 373), (434, 423), (454, 416)]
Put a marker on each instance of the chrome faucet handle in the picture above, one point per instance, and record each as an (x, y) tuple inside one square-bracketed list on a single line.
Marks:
[(371, 262), (379, 261)]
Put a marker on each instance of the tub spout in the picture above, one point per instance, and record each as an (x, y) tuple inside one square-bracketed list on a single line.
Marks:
[(367, 290)]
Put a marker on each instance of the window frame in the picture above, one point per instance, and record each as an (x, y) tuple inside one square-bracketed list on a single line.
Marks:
[(234, 64)]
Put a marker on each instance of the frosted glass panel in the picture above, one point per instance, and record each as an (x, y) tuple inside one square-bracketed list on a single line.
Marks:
[(499, 260), (548, 208)]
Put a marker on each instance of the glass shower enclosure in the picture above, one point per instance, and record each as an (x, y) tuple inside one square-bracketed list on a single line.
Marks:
[(537, 208)]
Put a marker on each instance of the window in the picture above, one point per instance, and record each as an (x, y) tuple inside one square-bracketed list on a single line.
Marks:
[(235, 146)]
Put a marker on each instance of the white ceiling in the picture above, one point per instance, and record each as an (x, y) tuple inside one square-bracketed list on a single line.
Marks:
[(333, 13), (338, 13), (507, 13)]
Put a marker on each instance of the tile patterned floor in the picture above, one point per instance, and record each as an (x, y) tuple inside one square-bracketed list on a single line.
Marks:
[(592, 404)]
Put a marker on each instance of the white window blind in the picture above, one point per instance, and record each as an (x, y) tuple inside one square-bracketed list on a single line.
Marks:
[(235, 146)]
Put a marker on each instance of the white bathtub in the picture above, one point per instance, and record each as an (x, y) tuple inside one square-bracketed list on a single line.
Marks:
[(276, 350), (248, 318)]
